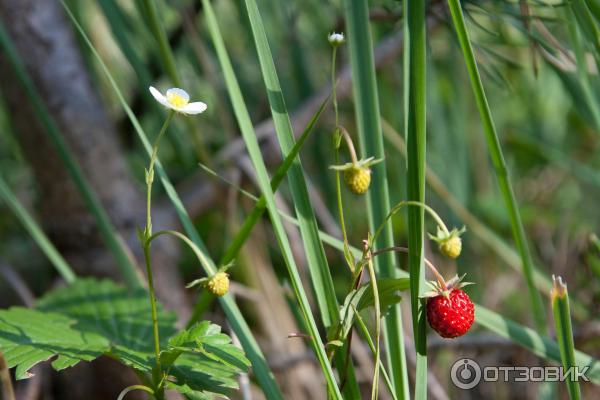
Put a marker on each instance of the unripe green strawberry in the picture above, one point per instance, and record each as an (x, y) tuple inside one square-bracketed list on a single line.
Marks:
[(449, 242), (218, 284), (451, 247), (357, 179)]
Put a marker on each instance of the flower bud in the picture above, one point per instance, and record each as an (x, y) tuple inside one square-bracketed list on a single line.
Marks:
[(336, 39)]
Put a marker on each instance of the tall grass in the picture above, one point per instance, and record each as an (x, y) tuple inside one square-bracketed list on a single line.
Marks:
[(497, 157), (370, 136), (415, 132), (36, 232), (251, 141)]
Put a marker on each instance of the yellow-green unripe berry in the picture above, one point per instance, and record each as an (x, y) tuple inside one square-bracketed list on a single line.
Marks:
[(218, 284), (357, 179), (451, 247)]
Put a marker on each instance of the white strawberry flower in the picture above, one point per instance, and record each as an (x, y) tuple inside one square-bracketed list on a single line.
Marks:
[(178, 100)]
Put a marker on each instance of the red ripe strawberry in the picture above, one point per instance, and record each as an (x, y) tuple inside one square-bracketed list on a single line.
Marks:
[(450, 316), (450, 311)]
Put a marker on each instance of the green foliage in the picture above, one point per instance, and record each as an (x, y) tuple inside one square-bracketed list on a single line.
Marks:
[(91, 318), (362, 298), (202, 357)]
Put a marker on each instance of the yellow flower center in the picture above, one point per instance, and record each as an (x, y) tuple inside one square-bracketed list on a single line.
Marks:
[(176, 99)]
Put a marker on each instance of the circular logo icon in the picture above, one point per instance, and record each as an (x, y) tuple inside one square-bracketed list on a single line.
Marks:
[(465, 373)]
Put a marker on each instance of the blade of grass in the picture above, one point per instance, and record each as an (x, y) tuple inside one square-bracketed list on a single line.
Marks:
[(528, 338), (318, 266), (378, 202), (259, 208), (564, 333), (108, 232), (234, 316), (415, 131), (315, 254), (497, 157), (261, 205), (117, 23), (166, 53), (575, 28), (251, 141), (36, 233)]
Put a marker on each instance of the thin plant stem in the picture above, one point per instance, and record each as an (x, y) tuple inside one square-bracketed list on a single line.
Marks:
[(373, 277), (365, 332), (432, 267), (132, 388), (349, 144), (402, 204), (146, 247), (334, 86), (338, 178), (150, 172)]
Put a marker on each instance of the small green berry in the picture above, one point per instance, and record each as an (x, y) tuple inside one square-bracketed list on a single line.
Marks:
[(218, 284), (452, 246), (357, 179)]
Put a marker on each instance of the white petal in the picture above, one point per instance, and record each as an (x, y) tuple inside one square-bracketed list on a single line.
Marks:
[(179, 92), (160, 97), (193, 108)]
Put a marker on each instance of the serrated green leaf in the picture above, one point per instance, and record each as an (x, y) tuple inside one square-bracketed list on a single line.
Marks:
[(79, 323), (28, 337), (202, 360), (120, 316), (203, 373), (190, 393)]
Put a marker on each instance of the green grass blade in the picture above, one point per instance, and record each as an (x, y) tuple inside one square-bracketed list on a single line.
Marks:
[(251, 141), (588, 26), (594, 6), (497, 157), (528, 338), (166, 53), (261, 205), (36, 233), (107, 230), (234, 316), (315, 254), (117, 23), (378, 202), (575, 28), (564, 333), (415, 131)]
